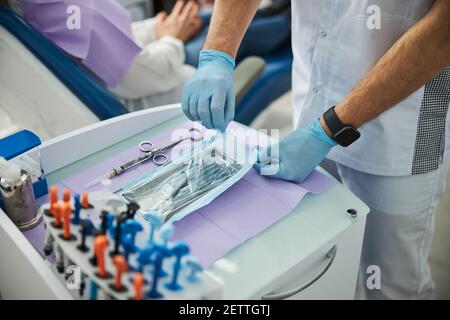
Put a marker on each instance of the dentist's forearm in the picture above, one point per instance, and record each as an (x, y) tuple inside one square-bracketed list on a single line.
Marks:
[(416, 58), (230, 20)]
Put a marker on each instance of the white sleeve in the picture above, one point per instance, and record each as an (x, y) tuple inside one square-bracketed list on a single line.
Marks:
[(158, 68), (144, 31)]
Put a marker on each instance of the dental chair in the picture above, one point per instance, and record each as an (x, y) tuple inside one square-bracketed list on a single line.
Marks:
[(273, 82)]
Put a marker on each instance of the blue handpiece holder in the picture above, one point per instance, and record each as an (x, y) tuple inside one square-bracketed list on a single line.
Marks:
[(90, 227), (195, 266), (77, 205), (155, 221), (130, 228), (145, 258), (128, 248), (166, 232), (93, 290), (108, 224), (179, 250), (160, 253)]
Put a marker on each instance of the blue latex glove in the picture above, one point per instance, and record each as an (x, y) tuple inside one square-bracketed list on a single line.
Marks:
[(209, 96), (299, 154)]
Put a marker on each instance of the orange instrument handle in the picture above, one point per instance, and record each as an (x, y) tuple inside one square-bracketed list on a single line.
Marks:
[(57, 213), (100, 245), (84, 200), (66, 195), (138, 283), (53, 196), (101, 265), (121, 265), (66, 213)]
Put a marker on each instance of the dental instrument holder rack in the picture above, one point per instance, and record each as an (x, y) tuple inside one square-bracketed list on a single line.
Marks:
[(203, 288)]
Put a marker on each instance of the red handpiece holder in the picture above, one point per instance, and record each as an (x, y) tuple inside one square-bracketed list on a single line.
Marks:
[(66, 213), (121, 266), (84, 200), (53, 197), (66, 195), (57, 213), (100, 244), (138, 283)]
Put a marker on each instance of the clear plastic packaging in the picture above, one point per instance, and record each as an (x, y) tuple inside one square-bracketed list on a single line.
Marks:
[(191, 181)]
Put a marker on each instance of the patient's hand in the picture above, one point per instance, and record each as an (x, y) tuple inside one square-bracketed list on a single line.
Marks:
[(183, 23)]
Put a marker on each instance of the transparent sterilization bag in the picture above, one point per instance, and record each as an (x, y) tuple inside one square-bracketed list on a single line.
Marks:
[(192, 180)]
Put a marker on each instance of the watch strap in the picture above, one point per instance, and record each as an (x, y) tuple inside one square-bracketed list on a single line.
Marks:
[(333, 122)]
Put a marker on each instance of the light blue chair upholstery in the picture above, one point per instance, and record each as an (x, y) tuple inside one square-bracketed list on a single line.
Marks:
[(272, 83)]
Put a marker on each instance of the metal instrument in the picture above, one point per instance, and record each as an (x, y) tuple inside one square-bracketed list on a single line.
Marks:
[(156, 154), (19, 201)]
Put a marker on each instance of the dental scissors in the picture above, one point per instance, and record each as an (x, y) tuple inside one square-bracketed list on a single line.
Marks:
[(156, 154)]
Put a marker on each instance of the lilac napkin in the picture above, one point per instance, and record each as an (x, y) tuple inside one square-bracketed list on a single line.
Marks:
[(103, 41), (246, 209)]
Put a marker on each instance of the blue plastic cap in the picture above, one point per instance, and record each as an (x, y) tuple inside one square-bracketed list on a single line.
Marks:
[(131, 226), (194, 264), (180, 249), (166, 231), (153, 217), (18, 143)]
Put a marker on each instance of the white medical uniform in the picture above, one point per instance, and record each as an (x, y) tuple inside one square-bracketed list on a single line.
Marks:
[(157, 75), (398, 164)]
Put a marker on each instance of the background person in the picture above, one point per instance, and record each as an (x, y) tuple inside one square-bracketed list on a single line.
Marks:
[(142, 63)]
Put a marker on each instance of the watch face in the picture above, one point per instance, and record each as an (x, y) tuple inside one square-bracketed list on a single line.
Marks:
[(346, 136)]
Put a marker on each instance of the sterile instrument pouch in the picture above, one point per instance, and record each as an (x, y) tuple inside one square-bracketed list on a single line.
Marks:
[(192, 180)]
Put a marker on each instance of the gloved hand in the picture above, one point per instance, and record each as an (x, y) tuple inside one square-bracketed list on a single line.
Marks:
[(209, 96), (296, 156)]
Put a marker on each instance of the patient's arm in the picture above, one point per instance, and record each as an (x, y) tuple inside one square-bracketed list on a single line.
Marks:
[(158, 68), (183, 23), (144, 31)]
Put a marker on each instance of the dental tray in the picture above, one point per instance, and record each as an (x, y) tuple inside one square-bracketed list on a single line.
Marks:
[(192, 180)]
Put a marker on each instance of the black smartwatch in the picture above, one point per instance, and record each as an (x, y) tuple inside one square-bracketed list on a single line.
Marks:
[(343, 134)]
